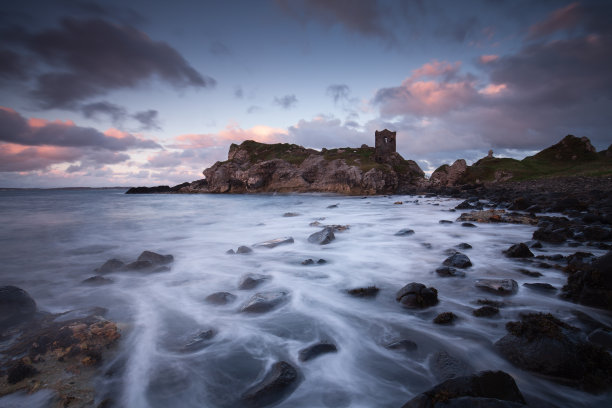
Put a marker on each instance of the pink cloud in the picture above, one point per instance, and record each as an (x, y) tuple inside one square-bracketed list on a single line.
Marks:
[(564, 18), (232, 133), (492, 89), (485, 59), (435, 68)]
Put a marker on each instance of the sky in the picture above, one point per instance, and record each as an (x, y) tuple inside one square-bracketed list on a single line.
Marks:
[(144, 93)]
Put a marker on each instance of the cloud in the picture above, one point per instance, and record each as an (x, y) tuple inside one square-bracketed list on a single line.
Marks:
[(327, 131), (561, 19), (238, 92), (485, 59), (338, 92), (115, 112), (254, 109), (286, 102), (92, 57), (12, 65), (231, 134), (37, 132), (148, 119)]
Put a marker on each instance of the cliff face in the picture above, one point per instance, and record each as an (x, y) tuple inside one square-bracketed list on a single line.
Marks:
[(254, 167)]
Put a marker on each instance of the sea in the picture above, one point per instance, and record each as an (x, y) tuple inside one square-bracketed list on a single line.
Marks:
[(52, 240)]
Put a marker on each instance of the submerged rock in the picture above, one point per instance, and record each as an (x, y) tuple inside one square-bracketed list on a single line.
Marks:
[(541, 287), (252, 280), (487, 389), (242, 249), (220, 298), (404, 232), (323, 237), (155, 258), (198, 341), (316, 350), (417, 295), (265, 301), (486, 311), (518, 251), (458, 260), (402, 345), (98, 280), (498, 286), (446, 271), (370, 291), (112, 265), (445, 318), (445, 366), (274, 242), (278, 384), (546, 345), (464, 245), (16, 306)]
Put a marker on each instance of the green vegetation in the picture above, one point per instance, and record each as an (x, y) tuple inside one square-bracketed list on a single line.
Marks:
[(291, 153), (362, 157)]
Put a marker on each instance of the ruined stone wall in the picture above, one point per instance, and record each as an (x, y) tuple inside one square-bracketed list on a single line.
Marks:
[(384, 144)]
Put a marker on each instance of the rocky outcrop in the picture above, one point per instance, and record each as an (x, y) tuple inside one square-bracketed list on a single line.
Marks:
[(254, 167), (446, 176)]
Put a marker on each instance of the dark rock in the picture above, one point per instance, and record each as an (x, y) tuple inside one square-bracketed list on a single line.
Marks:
[(370, 291), (601, 337), (544, 344), (278, 384), (198, 341), (520, 204), (469, 205), (112, 265), (468, 224), (554, 230), (149, 190), (230, 252), (308, 262), (445, 366), (445, 222), (485, 311), (274, 242), (290, 214), (527, 272), (252, 280), (426, 245), (487, 389), (458, 260), (597, 233), (139, 265), (489, 302), (333, 206), (321, 261), (265, 301), (464, 245), (244, 250), (590, 283), (316, 350), (498, 286), (220, 298), (323, 237), (404, 232), (417, 295), (155, 258), (446, 271), (162, 268), (20, 371), (97, 280), (541, 287), (518, 251), (402, 345), (445, 318), (16, 306), (536, 245)]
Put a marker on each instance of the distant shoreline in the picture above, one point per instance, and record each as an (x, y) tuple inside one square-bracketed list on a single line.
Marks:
[(62, 188)]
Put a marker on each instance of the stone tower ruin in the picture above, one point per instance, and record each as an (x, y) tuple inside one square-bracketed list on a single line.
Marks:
[(384, 145)]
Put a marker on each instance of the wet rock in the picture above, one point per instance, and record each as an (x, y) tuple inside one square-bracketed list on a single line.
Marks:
[(445, 366), (487, 389), (370, 291), (485, 311), (274, 242), (402, 345), (290, 214), (230, 252), (16, 306), (590, 283), (198, 341), (445, 222), (98, 280), (544, 344), (333, 206), (458, 260), (536, 245), (494, 216), (242, 249), (404, 232), (527, 272), (448, 271), (316, 350), (426, 245), (540, 287), (321, 261), (220, 298), (265, 301), (601, 337), (278, 384), (464, 245), (155, 258), (468, 224), (110, 266), (518, 251), (416, 295), (498, 286), (398, 202), (308, 262), (138, 265), (470, 205), (489, 302), (252, 280), (20, 371), (323, 237), (553, 229), (445, 318)]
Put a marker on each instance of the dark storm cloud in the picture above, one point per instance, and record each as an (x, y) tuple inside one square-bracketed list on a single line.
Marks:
[(338, 92), (115, 112), (286, 102), (14, 128), (12, 65), (125, 15), (148, 119), (93, 57)]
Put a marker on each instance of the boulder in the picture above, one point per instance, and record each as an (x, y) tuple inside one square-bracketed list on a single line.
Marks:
[(265, 301), (590, 283), (546, 345), (316, 350), (97, 280), (445, 318), (447, 176), (112, 265), (487, 389), (485, 311), (404, 232), (242, 249), (323, 237), (468, 225), (464, 245), (252, 280), (498, 286), (494, 216), (446, 271), (274, 242), (220, 298), (16, 306), (417, 296), (370, 291), (198, 341), (518, 251), (155, 258), (458, 260), (280, 381)]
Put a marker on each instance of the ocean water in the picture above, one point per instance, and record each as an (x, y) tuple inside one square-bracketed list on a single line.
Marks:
[(50, 241)]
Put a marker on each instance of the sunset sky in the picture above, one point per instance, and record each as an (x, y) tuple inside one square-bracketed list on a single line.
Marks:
[(123, 93)]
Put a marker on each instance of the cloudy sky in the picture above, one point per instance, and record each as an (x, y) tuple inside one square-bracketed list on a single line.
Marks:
[(122, 93)]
